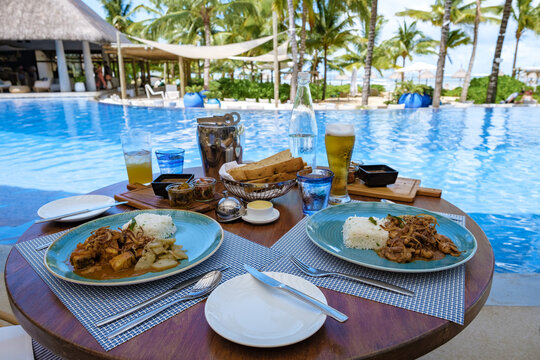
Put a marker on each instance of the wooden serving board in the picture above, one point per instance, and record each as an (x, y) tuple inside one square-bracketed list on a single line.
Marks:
[(404, 189), (143, 197)]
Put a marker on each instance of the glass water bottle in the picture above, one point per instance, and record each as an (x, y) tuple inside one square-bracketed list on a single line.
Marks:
[(303, 125)]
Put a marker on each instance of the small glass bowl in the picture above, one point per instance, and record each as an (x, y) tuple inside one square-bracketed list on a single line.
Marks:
[(181, 195), (204, 188)]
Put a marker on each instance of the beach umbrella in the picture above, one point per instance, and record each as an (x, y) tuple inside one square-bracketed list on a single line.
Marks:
[(354, 87), (417, 67), (427, 75), (460, 74), (342, 77)]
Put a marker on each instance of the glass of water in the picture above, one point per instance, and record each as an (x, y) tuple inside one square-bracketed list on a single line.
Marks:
[(315, 189), (170, 160)]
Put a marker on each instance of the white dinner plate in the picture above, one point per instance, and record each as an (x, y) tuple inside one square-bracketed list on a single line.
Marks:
[(75, 203), (247, 312), (256, 220)]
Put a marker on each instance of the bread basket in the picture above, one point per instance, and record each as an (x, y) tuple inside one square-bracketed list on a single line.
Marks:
[(251, 192)]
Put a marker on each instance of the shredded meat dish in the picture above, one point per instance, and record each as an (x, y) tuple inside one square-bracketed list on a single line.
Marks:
[(117, 249), (415, 238)]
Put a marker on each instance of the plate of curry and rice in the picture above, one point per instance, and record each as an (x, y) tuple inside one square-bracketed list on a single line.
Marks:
[(134, 247), (391, 237)]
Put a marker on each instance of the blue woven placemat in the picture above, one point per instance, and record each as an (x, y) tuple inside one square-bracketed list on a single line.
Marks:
[(440, 294), (90, 304)]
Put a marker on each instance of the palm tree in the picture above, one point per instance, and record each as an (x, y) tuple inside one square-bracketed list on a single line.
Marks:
[(332, 30), (456, 38), (494, 77), (409, 40), (308, 16), (467, 80), (191, 21), (294, 47), (369, 56), (117, 13), (442, 53), (527, 17)]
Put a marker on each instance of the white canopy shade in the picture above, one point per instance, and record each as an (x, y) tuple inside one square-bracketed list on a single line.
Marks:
[(268, 57), (207, 52), (427, 75), (460, 74), (417, 66)]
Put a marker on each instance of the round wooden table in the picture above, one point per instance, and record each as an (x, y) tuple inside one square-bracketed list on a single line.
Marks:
[(373, 330)]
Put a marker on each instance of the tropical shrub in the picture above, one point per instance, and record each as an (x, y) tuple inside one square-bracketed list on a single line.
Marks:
[(409, 87), (505, 86)]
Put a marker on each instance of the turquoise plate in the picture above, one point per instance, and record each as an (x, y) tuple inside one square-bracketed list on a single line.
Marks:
[(324, 229), (199, 234)]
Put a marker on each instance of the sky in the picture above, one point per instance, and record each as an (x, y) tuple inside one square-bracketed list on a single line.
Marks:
[(529, 45)]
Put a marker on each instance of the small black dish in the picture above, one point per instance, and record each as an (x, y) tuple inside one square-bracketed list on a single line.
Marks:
[(162, 181), (377, 175)]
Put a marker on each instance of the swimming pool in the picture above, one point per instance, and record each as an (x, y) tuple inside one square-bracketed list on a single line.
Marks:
[(485, 160)]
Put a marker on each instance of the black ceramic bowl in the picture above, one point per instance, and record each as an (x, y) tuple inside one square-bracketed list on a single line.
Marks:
[(162, 181), (377, 175)]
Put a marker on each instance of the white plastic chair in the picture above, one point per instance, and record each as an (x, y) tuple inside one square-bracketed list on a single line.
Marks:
[(171, 92), (150, 91)]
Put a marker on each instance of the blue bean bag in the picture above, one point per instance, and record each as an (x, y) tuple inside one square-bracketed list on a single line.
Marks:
[(193, 100)]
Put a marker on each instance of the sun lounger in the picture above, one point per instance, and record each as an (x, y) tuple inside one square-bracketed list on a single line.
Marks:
[(171, 92), (43, 85), (251, 100), (4, 85), (150, 91), (396, 106)]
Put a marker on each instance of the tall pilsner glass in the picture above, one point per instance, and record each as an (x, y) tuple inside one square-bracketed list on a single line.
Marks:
[(339, 140)]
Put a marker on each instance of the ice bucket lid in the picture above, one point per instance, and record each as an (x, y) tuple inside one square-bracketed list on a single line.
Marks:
[(229, 119)]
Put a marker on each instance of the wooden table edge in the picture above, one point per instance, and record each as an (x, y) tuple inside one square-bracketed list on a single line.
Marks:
[(444, 332)]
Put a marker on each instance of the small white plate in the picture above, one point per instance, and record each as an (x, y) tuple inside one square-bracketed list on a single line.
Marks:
[(247, 312), (75, 203), (256, 220)]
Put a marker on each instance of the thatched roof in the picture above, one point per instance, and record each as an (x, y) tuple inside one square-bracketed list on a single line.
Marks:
[(54, 20)]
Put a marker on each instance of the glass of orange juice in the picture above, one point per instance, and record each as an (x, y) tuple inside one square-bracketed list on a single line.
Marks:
[(138, 155)]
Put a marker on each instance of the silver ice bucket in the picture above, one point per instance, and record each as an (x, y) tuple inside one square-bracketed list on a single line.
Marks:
[(220, 141)]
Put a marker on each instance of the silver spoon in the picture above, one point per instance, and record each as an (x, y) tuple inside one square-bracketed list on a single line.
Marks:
[(201, 288)]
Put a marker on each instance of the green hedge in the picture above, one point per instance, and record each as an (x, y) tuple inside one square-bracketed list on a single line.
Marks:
[(505, 86), (242, 89)]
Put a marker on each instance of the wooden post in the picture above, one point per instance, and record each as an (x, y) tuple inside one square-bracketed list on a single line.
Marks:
[(121, 69), (182, 76), (135, 77), (148, 73)]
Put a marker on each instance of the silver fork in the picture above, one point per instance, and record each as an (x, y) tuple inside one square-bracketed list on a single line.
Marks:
[(311, 271)]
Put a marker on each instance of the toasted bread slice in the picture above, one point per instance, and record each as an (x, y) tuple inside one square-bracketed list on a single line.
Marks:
[(278, 177), (291, 165), (239, 175), (275, 178)]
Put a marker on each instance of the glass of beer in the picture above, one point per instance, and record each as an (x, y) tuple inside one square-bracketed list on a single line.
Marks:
[(339, 140), (138, 155)]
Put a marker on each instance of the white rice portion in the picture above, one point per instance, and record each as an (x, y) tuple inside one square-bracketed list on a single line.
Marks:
[(157, 226), (361, 233)]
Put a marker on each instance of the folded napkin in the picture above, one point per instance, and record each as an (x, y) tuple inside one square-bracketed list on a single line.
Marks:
[(15, 343)]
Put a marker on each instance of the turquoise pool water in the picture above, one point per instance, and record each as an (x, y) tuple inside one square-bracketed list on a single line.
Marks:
[(485, 160)]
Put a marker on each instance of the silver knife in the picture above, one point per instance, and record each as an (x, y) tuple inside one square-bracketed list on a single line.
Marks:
[(79, 212), (181, 285), (265, 279)]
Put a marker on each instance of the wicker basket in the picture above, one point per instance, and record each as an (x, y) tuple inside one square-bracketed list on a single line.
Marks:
[(251, 192)]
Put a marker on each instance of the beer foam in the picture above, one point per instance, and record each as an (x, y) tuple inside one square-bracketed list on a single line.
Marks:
[(340, 129)]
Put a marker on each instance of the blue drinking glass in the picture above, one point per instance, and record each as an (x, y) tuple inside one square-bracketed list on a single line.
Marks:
[(315, 189), (171, 161)]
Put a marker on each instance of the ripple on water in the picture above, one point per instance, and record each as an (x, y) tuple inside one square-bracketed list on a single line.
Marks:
[(485, 160)]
